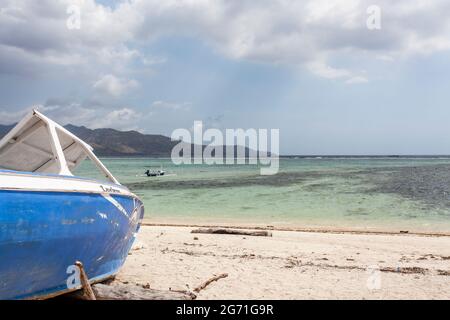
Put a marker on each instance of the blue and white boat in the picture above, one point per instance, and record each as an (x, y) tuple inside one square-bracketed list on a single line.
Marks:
[(49, 218)]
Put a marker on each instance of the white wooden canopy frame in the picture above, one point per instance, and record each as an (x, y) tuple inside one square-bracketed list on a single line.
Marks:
[(38, 144)]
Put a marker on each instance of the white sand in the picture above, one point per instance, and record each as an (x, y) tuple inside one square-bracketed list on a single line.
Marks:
[(292, 265)]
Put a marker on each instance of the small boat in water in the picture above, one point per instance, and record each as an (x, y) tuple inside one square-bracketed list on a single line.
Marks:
[(155, 173), (49, 218)]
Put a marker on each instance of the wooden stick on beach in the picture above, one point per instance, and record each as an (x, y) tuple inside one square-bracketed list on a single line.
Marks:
[(234, 232), (87, 289), (131, 291), (208, 282)]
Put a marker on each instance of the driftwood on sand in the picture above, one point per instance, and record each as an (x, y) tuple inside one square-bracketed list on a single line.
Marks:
[(209, 281), (115, 290), (122, 291), (234, 232), (130, 292)]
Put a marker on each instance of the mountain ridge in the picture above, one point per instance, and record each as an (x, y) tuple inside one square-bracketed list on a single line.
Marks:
[(109, 142)]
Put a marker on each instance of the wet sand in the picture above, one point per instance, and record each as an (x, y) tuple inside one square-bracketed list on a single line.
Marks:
[(292, 264)]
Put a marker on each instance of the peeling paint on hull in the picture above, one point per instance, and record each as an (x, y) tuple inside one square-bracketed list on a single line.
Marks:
[(42, 233)]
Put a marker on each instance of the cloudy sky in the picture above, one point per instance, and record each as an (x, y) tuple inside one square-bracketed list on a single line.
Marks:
[(311, 68)]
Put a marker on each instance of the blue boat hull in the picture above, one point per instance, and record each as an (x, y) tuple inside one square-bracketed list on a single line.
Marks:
[(42, 234)]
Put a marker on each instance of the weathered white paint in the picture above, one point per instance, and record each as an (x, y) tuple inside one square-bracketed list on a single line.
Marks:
[(117, 205)]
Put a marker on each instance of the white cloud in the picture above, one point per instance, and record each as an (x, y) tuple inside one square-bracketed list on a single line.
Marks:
[(306, 33), (122, 119), (77, 114), (113, 85), (325, 71), (63, 114), (8, 117), (69, 113), (35, 34), (301, 33)]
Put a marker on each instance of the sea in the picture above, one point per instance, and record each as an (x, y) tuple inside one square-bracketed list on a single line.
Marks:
[(354, 193)]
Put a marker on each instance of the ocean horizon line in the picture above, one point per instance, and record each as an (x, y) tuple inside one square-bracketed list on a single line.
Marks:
[(293, 156)]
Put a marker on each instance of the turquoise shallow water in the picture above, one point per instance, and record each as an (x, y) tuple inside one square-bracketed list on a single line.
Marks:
[(371, 193)]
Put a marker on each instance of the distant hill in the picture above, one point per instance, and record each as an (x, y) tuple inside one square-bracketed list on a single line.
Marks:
[(115, 143), (111, 142)]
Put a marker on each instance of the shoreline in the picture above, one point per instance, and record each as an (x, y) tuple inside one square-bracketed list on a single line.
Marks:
[(241, 226)]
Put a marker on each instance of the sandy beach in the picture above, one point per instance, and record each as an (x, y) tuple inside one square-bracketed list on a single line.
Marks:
[(292, 264)]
